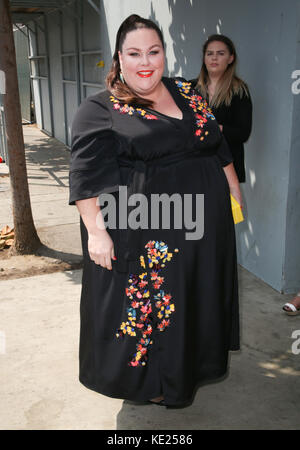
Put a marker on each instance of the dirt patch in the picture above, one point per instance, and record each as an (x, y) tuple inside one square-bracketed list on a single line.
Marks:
[(45, 261)]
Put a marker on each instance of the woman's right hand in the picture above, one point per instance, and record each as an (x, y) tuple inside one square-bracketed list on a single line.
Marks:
[(101, 249)]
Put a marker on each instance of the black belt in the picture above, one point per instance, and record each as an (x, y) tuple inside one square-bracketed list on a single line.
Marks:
[(129, 245)]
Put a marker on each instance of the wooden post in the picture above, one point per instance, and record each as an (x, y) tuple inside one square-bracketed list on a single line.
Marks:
[(26, 238)]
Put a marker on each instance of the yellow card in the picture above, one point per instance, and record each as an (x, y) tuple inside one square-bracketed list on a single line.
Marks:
[(236, 210)]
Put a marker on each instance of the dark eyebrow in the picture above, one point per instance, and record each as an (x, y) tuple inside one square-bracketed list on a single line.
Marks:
[(138, 49)]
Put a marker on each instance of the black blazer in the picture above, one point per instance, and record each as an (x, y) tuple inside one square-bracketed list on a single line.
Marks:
[(237, 123)]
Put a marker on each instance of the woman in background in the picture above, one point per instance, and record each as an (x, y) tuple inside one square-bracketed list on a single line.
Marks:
[(227, 95)]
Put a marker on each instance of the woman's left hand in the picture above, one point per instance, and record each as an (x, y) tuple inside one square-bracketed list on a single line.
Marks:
[(233, 183), (236, 193)]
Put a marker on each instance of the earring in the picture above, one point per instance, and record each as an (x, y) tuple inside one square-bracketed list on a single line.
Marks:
[(121, 77)]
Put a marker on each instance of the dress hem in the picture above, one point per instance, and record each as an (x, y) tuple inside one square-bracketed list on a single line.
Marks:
[(219, 376)]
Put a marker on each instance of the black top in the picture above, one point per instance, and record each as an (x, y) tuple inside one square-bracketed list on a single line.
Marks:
[(104, 141), (237, 122)]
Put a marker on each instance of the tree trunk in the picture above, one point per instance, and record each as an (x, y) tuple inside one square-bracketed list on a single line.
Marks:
[(26, 238)]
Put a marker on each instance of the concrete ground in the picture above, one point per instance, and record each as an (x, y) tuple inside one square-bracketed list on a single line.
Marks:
[(39, 329)]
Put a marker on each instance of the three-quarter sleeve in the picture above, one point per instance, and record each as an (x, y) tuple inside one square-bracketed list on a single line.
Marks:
[(224, 153), (94, 167)]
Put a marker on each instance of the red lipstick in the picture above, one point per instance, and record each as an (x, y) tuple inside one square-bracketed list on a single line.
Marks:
[(145, 73)]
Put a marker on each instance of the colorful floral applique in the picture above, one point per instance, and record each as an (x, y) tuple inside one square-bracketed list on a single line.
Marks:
[(201, 111), (124, 108), (150, 307)]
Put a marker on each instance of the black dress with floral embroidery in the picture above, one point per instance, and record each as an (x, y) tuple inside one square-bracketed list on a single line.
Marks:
[(165, 317)]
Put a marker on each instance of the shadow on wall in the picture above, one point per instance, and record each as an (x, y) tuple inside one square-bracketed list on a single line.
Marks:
[(190, 27), (156, 20)]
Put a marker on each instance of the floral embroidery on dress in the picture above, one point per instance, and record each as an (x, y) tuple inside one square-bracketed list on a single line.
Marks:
[(124, 108), (144, 294), (201, 110)]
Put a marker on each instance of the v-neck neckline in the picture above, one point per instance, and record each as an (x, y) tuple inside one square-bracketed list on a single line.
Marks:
[(157, 113)]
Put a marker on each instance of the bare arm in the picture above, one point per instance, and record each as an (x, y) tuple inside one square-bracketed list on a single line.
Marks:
[(100, 244), (233, 182)]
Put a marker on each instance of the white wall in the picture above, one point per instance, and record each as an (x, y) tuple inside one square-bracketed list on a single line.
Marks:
[(291, 268)]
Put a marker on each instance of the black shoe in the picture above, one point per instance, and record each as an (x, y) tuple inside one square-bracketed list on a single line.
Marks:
[(161, 403)]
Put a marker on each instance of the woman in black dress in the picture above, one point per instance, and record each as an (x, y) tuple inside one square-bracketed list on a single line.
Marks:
[(227, 95), (159, 310)]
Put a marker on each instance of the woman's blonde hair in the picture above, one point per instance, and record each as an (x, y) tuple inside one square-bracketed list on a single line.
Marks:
[(229, 84)]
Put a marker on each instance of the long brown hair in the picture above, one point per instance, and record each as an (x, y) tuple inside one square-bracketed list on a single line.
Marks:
[(229, 84), (113, 82)]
